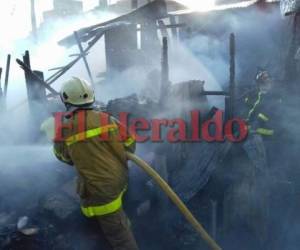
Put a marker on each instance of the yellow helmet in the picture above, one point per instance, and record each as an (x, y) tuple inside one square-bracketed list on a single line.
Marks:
[(77, 92)]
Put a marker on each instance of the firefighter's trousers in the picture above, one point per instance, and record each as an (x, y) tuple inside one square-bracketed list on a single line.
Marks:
[(116, 229)]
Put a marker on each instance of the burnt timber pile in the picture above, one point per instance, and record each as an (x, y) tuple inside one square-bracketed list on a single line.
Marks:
[(207, 176)]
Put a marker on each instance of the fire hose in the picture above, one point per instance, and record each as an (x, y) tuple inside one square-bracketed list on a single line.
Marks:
[(175, 199), (49, 130)]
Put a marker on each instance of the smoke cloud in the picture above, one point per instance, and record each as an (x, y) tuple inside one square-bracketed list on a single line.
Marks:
[(262, 38)]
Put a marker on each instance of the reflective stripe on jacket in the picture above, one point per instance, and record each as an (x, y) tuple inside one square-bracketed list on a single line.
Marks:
[(256, 119)]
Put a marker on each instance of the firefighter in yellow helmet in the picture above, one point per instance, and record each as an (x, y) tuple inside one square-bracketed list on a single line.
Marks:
[(101, 164), (258, 115)]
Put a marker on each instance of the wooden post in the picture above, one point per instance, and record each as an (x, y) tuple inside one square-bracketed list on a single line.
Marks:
[(230, 100), (164, 71), (26, 60), (82, 53), (7, 74)]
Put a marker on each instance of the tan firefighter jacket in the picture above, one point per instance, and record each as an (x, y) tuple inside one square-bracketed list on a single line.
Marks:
[(100, 161)]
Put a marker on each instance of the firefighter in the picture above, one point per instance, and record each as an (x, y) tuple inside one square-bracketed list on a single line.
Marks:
[(257, 112), (257, 105), (258, 117), (101, 164)]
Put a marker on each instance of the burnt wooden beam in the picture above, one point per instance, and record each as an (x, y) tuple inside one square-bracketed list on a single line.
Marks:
[(164, 71), (83, 56), (27, 66), (31, 75), (7, 74)]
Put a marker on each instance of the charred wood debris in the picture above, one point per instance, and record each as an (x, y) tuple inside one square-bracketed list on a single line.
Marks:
[(48, 220)]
